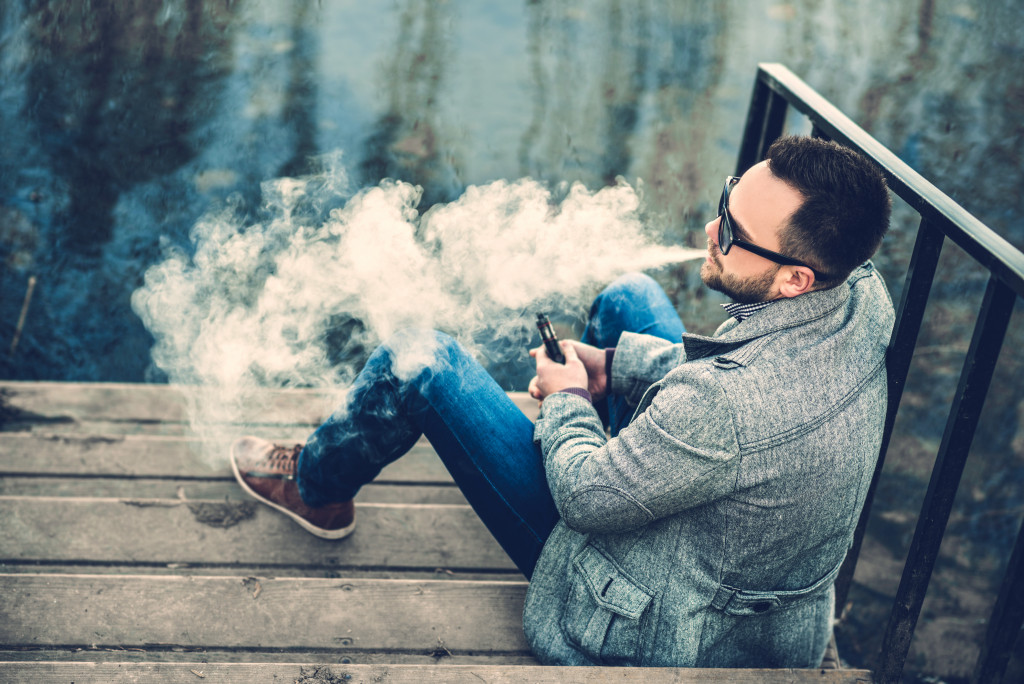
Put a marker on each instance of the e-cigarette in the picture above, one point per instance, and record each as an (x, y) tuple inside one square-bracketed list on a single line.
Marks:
[(547, 336)]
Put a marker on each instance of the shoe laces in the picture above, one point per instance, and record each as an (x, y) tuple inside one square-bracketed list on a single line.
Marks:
[(284, 459)]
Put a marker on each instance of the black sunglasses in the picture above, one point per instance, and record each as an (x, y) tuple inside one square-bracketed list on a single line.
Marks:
[(726, 239)]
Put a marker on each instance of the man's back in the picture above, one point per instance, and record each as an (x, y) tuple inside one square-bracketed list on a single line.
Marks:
[(738, 485)]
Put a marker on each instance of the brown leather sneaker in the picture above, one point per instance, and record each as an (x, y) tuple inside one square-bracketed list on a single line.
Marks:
[(267, 471)]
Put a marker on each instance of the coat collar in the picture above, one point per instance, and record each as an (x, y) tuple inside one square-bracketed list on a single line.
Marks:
[(739, 342)]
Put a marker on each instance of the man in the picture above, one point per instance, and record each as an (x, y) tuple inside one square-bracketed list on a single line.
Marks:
[(708, 528)]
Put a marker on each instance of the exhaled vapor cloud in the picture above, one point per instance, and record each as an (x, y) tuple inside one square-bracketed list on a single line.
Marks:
[(259, 305)]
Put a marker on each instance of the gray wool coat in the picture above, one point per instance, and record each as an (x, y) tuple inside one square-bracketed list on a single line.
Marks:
[(709, 532)]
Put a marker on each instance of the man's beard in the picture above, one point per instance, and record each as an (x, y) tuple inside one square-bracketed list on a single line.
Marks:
[(746, 291)]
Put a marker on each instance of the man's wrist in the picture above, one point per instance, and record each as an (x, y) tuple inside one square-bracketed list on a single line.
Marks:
[(579, 392), (609, 355)]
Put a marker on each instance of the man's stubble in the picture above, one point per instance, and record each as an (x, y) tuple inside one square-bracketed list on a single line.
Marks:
[(748, 291)]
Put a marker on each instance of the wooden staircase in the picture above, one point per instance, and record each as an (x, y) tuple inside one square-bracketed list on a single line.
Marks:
[(126, 555)]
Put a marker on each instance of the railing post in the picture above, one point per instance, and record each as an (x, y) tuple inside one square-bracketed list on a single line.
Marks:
[(916, 289), (989, 331), (1005, 623), (755, 124), (766, 118)]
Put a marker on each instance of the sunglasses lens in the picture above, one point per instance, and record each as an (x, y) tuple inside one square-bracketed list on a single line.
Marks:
[(724, 228)]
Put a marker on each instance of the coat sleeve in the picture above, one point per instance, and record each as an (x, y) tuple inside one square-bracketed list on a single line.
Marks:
[(681, 452), (640, 361)]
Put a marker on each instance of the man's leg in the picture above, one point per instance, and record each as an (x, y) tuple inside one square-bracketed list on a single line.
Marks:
[(426, 383), (632, 303)]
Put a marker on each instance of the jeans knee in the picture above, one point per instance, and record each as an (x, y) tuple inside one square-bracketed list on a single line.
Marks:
[(414, 350), (407, 339), (626, 295), (634, 302), (633, 287)]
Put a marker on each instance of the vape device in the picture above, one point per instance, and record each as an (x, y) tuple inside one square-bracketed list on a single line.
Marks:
[(547, 335)]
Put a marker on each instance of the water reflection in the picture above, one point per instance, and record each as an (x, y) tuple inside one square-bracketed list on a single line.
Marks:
[(115, 93), (300, 96), (409, 140), (124, 122)]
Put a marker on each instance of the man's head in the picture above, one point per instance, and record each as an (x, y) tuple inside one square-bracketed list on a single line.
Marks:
[(822, 205)]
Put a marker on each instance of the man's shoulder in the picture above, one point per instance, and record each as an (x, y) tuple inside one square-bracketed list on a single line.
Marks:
[(868, 279), (842, 330), (870, 299)]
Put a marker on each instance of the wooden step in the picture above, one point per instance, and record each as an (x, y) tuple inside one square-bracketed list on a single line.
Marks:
[(140, 611), (68, 407), (58, 403), (76, 530), (213, 489), (246, 673), (34, 453), (129, 553)]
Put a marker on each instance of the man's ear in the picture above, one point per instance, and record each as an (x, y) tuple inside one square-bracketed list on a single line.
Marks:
[(796, 280)]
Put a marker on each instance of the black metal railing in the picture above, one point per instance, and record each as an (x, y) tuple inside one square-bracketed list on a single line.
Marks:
[(776, 89)]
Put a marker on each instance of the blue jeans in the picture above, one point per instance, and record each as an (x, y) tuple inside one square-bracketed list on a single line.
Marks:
[(425, 383)]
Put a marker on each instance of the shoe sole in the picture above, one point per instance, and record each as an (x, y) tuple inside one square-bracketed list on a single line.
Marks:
[(303, 523)]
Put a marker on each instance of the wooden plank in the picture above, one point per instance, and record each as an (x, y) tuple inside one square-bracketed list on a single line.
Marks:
[(219, 489), (161, 531), (192, 655), (239, 569), (65, 402), (288, 433), (82, 402), (244, 673), (25, 453), (261, 613)]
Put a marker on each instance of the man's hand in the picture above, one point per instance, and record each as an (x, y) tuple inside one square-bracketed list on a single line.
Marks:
[(593, 360), (554, 377)]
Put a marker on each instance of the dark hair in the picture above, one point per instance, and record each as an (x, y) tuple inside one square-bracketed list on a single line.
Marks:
[(845, 212)]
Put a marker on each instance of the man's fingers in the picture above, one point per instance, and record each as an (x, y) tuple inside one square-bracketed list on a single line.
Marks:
[(539, 353)]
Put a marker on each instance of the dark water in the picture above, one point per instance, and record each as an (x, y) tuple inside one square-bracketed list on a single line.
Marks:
[(123, 123)]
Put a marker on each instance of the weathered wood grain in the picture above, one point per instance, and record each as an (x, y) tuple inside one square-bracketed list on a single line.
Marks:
[(303, 657), (107, 481), (245, 673), (57, 402), (261, 613), (286, 433), (161, 531), (321, 572), (214, 489), (23, 453), (83, 402)]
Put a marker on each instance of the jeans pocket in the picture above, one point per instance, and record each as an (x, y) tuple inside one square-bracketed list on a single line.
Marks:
[(604, 609)]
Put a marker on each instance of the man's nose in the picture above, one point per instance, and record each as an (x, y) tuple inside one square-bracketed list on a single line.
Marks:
[(711, 228)]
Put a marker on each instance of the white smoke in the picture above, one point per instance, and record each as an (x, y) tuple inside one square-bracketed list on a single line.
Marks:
[(259, 305)]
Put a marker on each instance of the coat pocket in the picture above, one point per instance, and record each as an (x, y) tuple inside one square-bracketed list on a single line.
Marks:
[(741, 602), (603, 611)]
